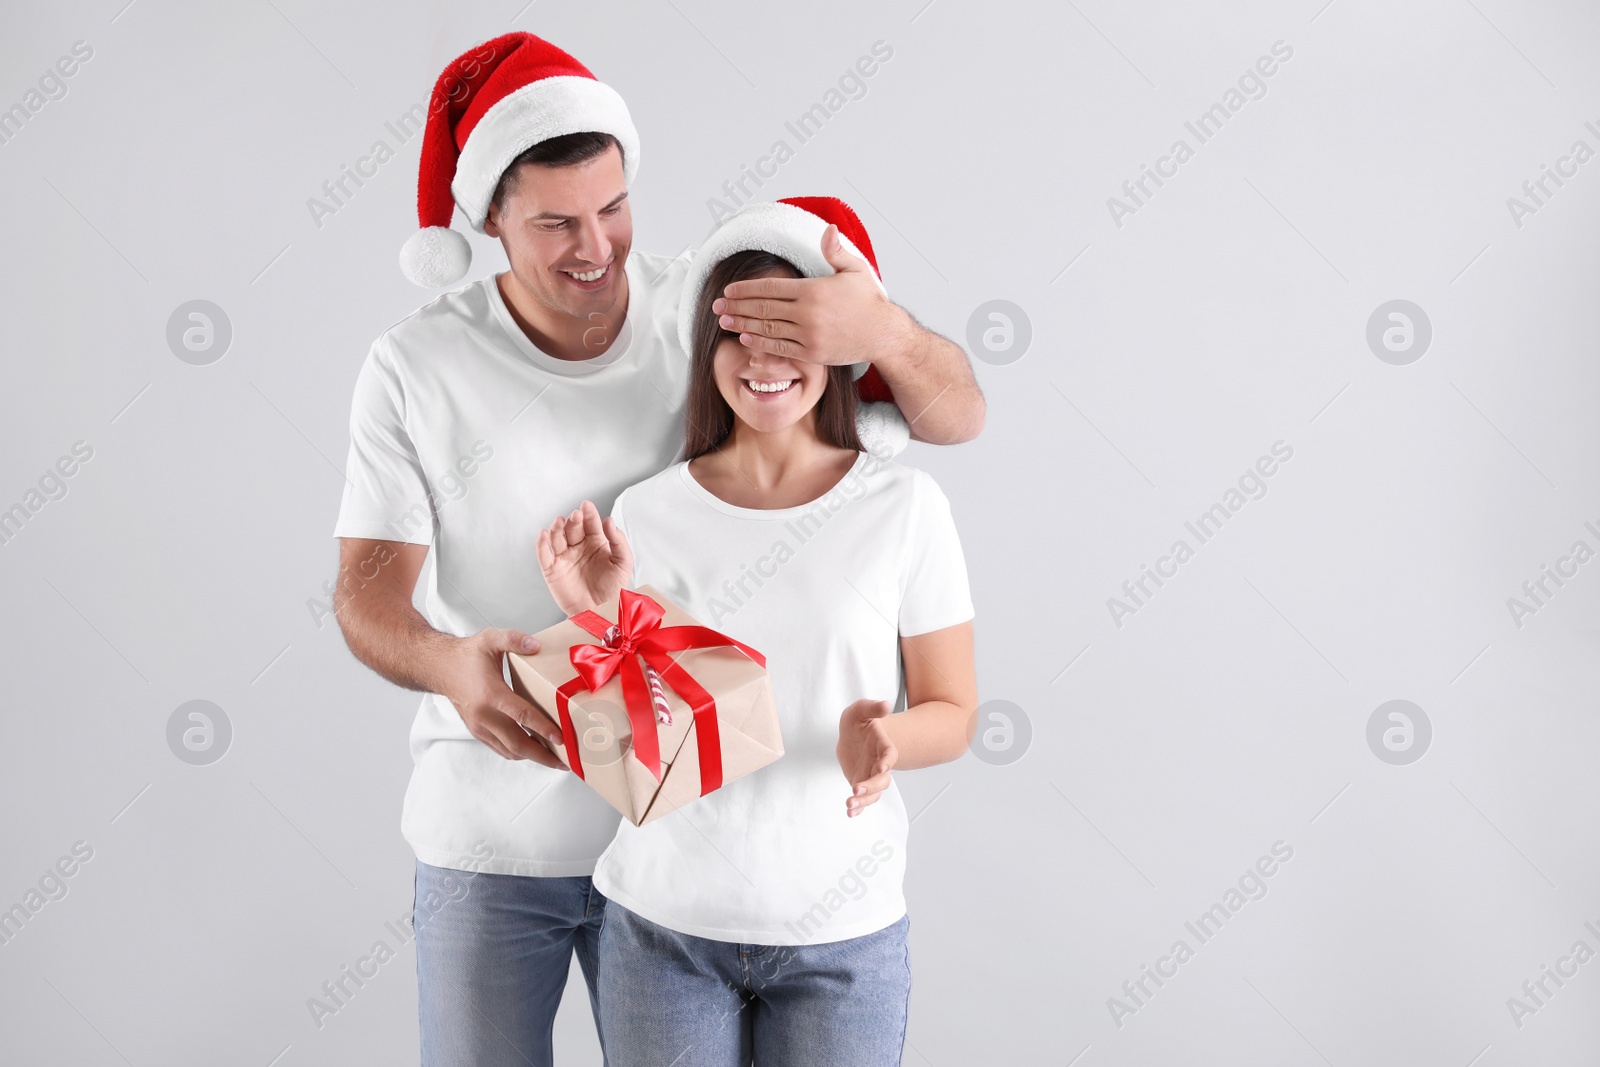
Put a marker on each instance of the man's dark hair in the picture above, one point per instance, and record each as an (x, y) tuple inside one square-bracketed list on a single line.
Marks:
[(567, 150)]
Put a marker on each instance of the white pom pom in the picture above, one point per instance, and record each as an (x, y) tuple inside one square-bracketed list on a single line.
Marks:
[(882, 429), (435, 257)]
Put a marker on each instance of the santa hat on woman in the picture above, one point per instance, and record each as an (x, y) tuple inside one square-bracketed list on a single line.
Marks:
[(792, 228), (488, 107), (496, 101)]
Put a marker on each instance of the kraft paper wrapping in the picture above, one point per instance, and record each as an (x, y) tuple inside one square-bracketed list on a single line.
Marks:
[(747, 717)]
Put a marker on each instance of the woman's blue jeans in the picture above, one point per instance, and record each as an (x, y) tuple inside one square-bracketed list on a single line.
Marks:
[(675, 999)]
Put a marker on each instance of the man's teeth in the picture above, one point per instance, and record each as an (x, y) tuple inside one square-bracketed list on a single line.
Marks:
[(591, 276), (769, 387)]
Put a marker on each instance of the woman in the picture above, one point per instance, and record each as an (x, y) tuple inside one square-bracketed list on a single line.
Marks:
[(766, 919)]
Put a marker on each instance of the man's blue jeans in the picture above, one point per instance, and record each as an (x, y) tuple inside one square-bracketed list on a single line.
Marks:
[(671, 998), (493, 953)]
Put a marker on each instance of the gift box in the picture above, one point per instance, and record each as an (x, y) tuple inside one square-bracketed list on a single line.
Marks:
[(654, 708)]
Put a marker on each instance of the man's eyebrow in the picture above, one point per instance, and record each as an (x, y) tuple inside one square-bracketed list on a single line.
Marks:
[(553, 217)]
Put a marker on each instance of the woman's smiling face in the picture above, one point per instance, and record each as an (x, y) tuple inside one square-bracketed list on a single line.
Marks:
[(767, 393)]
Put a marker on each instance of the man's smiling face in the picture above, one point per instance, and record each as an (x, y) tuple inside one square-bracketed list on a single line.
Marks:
[(567, 231)]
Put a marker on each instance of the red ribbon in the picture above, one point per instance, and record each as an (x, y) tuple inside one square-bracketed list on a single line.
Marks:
[(641, 636)]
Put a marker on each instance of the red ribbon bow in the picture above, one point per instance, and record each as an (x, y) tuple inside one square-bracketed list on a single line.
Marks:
[(640, 635)]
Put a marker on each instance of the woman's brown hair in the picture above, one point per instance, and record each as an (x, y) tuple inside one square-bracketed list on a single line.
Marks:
[(708, 420)]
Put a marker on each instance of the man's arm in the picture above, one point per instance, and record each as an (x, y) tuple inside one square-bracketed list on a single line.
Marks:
[(932, 382), (845, 318), (372, 601)]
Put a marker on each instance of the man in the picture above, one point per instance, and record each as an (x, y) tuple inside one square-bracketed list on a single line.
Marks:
[(475, 419)]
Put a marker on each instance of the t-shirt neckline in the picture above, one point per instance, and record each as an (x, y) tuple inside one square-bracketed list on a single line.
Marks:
[(571, 368), (722, 505)]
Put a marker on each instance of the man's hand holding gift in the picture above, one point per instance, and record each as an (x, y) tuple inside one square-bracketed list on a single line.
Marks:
[(491, 710)]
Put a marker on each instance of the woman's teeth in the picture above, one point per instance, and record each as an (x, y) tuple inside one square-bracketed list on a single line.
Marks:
[(769, 387), (591, 276)]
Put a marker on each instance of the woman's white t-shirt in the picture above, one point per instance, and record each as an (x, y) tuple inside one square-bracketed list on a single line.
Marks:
[(825, 591)]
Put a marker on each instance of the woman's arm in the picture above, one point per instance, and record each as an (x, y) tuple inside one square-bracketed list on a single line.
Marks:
[(584, 560), (936, 727), (941, 698)]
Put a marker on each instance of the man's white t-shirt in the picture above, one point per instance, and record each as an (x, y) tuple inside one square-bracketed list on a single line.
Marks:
[(824, 591), (465, 436)]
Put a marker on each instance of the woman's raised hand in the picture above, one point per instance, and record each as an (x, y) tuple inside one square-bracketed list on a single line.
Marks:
[(866, 755), (585, 561)]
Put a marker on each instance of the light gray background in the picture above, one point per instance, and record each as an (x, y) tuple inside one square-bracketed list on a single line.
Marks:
[(1167, 355)]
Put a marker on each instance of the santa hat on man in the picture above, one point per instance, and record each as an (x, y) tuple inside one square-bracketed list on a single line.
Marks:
[(489, 106), (792, 228), (496, 101)]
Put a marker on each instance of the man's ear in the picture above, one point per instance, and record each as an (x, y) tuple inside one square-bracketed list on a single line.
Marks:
[(489, 226)]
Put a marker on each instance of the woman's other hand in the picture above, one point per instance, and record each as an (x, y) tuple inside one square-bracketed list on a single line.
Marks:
[(866, 755), (585, 561)]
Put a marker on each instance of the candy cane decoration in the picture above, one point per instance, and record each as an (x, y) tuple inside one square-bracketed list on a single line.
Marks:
[(658, 696)]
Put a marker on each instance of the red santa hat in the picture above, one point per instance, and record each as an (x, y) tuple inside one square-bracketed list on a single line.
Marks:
[(489, 106), (792, 228)]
